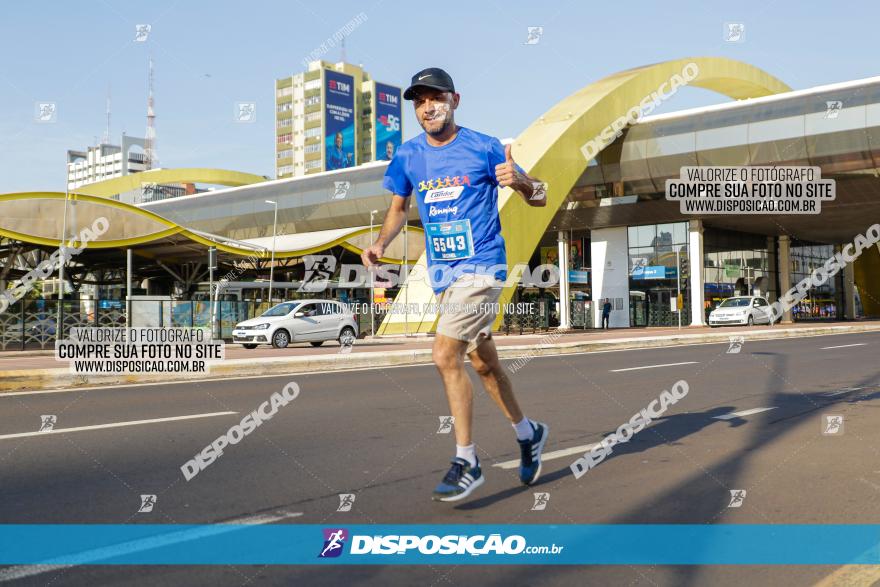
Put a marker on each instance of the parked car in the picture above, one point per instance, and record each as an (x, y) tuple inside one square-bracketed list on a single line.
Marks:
[(741, 310), (313, 321)]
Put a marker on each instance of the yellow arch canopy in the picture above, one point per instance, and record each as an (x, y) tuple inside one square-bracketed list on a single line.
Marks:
[(550, 149), (37, 217), (866, 272), (134, 181)]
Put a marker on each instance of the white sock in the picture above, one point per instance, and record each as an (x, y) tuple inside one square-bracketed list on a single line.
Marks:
[(524, 430), (468, 453)]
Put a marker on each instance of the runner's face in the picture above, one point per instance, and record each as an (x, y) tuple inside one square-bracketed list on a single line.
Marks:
[(434, 109)]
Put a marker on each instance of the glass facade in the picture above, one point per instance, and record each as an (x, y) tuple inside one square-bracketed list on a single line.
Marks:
[(821, 302), (735, 263), (655, 251)]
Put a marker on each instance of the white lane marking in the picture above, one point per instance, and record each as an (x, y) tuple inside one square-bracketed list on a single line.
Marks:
[(849, 575), (556, 454), (841, 391), (733, 415), (654, 366), (550, 455), (124, 548), (842, 346), (113, 425)]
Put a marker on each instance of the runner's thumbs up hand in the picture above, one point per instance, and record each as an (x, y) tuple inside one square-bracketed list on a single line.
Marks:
[(505, 172), (534, 191)]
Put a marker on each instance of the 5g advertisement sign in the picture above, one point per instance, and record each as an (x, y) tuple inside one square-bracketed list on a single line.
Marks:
[(388, 121)]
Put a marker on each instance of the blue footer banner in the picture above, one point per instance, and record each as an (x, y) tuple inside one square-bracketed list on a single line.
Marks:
[(476, 544)]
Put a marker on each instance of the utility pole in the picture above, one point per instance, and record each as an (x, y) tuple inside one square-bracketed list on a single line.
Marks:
[(272, 263)]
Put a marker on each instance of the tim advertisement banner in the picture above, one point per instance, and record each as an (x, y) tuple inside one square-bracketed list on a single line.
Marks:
[(388, 117), (339, 123)]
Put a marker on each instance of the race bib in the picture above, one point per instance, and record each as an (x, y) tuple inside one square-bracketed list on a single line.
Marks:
[(449, 241)]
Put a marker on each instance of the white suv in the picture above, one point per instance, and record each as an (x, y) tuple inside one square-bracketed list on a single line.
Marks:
[(312, 321), (742, 311)]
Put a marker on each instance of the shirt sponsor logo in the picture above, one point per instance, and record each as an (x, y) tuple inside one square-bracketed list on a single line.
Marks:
[(432, 211), (444, 182), (443, 194)]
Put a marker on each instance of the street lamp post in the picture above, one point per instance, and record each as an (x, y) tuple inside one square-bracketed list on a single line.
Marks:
[(406, 282), (272, 262), (372, 282)]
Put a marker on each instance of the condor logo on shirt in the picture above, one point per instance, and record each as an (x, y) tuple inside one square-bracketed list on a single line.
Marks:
[(443, 194)]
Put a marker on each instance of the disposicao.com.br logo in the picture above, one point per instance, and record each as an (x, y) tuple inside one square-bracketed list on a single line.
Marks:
[(431, 544)]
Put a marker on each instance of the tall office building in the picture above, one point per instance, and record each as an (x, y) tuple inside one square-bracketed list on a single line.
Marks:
[(333, 116)]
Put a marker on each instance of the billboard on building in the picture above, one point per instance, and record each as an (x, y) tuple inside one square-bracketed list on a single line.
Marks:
[(339, 121), (389, 134), (550, 256)]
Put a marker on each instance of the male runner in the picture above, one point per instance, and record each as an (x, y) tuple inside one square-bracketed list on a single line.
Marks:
[(456, 173)]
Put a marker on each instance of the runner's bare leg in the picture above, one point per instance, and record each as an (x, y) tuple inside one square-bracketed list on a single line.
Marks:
[(448, 355), (495, 380)]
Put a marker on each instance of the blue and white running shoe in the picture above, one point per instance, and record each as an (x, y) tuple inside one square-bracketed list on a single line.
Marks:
[(459, 481), (530, 454)]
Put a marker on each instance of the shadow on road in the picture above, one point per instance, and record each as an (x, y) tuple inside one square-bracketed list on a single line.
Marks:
[(704, 496)]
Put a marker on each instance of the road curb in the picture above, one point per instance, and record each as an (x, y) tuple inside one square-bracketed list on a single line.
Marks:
[(61, 378)]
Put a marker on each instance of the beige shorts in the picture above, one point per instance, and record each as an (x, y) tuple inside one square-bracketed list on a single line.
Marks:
[(468, 309)]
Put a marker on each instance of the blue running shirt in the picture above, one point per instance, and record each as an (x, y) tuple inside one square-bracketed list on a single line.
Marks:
[(457, 196)]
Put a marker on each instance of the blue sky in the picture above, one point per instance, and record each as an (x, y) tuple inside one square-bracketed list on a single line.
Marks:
[(210, 55)]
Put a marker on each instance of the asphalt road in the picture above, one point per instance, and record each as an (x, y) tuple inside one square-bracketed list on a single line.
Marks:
[(373, 433)]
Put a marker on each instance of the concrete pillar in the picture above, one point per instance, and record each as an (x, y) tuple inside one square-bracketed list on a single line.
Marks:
[(564, 306), (783, 262), (849, 291), (610, 275), (772, 294), (838, 280), (698, 289)]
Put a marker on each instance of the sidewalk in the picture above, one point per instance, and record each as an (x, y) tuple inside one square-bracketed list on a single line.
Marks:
[(39, 369)]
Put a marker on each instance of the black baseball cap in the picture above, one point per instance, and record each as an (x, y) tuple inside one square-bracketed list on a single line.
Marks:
[(433, 77)]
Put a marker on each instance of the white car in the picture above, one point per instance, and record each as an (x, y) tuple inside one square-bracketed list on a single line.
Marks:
[(742, 311), (313, 321)]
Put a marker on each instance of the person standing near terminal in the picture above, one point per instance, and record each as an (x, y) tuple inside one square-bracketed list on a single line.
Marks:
[(606, 313), (456, 173)]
